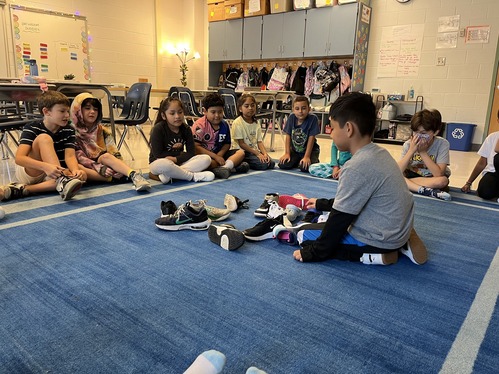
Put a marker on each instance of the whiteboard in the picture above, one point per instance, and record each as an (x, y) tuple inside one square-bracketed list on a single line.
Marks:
[(50, 44)]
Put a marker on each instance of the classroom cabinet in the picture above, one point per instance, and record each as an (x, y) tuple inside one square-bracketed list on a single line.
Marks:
[(283, 35), (226, 40), (331, 31), (252, 38)]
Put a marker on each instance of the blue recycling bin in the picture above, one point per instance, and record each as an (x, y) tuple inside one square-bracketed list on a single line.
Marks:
[(460, 135)]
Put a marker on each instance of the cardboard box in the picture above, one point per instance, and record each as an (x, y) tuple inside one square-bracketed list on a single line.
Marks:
[(216, 11), (303, 4), (281, 6), (256, 8), (234, 9), (324, 3)]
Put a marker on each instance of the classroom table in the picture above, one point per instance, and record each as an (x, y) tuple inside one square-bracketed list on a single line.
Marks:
[(70, 88)]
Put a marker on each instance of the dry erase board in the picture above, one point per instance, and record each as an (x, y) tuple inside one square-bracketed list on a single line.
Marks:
[(50, 44)]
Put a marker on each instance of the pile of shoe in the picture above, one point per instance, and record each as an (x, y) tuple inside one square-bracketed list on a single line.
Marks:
[(192, 215)]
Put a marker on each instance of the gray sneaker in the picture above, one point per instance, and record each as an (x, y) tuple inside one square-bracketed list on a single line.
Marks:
[(68, 187), (13, 191), (221, 173), (139, 182)]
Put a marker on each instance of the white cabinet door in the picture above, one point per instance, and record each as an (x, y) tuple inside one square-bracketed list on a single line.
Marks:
[(226, 40), (252, 38)]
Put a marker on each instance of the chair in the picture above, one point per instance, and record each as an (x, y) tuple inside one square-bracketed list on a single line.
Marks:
[(230, 106), (135, 111), (188, 100)]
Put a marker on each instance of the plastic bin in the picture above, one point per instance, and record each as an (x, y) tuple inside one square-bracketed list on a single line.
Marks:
[(460, 135)]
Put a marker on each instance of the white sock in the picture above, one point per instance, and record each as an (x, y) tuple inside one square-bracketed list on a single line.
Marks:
[(208, 362), (229, 165)]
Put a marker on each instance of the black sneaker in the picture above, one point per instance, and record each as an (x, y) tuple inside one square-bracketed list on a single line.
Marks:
[(243, 167), (226, 236), (221, 173), (68, 187), (262, 230), (192, 216), (263, 210), (14, 191), (167, 207)]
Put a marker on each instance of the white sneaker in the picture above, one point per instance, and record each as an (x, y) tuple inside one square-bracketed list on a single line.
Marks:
[(379, 258), (139, 182), (415, 249), (203, 176), (275, 210), (68, 187), (165, 179)]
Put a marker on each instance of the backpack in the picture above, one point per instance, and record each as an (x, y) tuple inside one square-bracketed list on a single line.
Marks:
[(243, 81), (231, 80), (254, 77)]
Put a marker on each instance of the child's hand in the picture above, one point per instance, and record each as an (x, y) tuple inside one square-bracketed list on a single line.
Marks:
[(53, 171), (284, 158), (311, 203), (305, 163), (79, 174), (336, 172), (219, 160), (297, 255), (466, 188), (413, 145)]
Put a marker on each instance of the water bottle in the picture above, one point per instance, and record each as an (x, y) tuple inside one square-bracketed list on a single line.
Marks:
[(410, 95), (33, 68)]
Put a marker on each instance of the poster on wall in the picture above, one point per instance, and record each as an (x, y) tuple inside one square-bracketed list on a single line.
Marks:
[(50, 44), (400, 51)]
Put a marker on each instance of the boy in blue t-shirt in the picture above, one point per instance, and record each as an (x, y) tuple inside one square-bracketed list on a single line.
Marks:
[(301, 148), (212, 136)]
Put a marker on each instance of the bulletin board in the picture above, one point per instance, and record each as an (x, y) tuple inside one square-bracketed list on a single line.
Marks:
[(50, 44)]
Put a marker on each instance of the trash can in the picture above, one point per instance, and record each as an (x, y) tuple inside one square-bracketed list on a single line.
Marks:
[(460, 135)]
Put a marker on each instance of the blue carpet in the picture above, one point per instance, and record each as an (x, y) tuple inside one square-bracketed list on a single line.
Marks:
[(91, 285)]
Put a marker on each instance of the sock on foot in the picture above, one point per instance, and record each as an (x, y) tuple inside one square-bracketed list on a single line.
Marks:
[(434, 192), (229, 165), (208, 362)]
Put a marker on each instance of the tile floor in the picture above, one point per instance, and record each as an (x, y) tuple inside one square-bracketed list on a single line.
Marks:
[(461, 162)]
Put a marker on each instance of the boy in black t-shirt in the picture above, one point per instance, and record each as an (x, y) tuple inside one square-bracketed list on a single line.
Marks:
[(46, 158)]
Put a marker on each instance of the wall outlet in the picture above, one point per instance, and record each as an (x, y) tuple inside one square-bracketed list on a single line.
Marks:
[(441, 61)]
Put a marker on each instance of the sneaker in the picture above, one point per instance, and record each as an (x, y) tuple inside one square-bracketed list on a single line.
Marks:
[(221, 173), (415, 249), (379, 258), (264, 207), (68, 187), (226, 236), (292, 212), (434, 192), (14, 191), (203, 176), (311, 216), (139, 182), (243, 167), (298, 200), (233, 203), (262, 230), (282, 227), (160, 178), (191, 215), (167, 207), (217, 214), (287, 237), (274, 210)]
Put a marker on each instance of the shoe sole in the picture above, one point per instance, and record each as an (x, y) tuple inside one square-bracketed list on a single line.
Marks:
[(416, 250), (227, 238), (268, 235), (196, 226), (72, 190), (143, 188), (260, 214)]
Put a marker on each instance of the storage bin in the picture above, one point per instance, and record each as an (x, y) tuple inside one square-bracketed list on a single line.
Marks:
[(234, 9), (216, 11), (281, 6), (303, 4), (256, 8), (324, 3), (460, 135)]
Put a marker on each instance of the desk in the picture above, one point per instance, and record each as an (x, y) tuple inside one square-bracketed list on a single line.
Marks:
[(71, 88), (275, 96)]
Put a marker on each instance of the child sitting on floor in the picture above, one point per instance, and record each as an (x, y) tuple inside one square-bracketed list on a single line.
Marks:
[(301, 148), (172, 147), (425, 156), (371, 217), (95, 148), (331, 170), (247, 135), (45, 159), (212, 137)]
